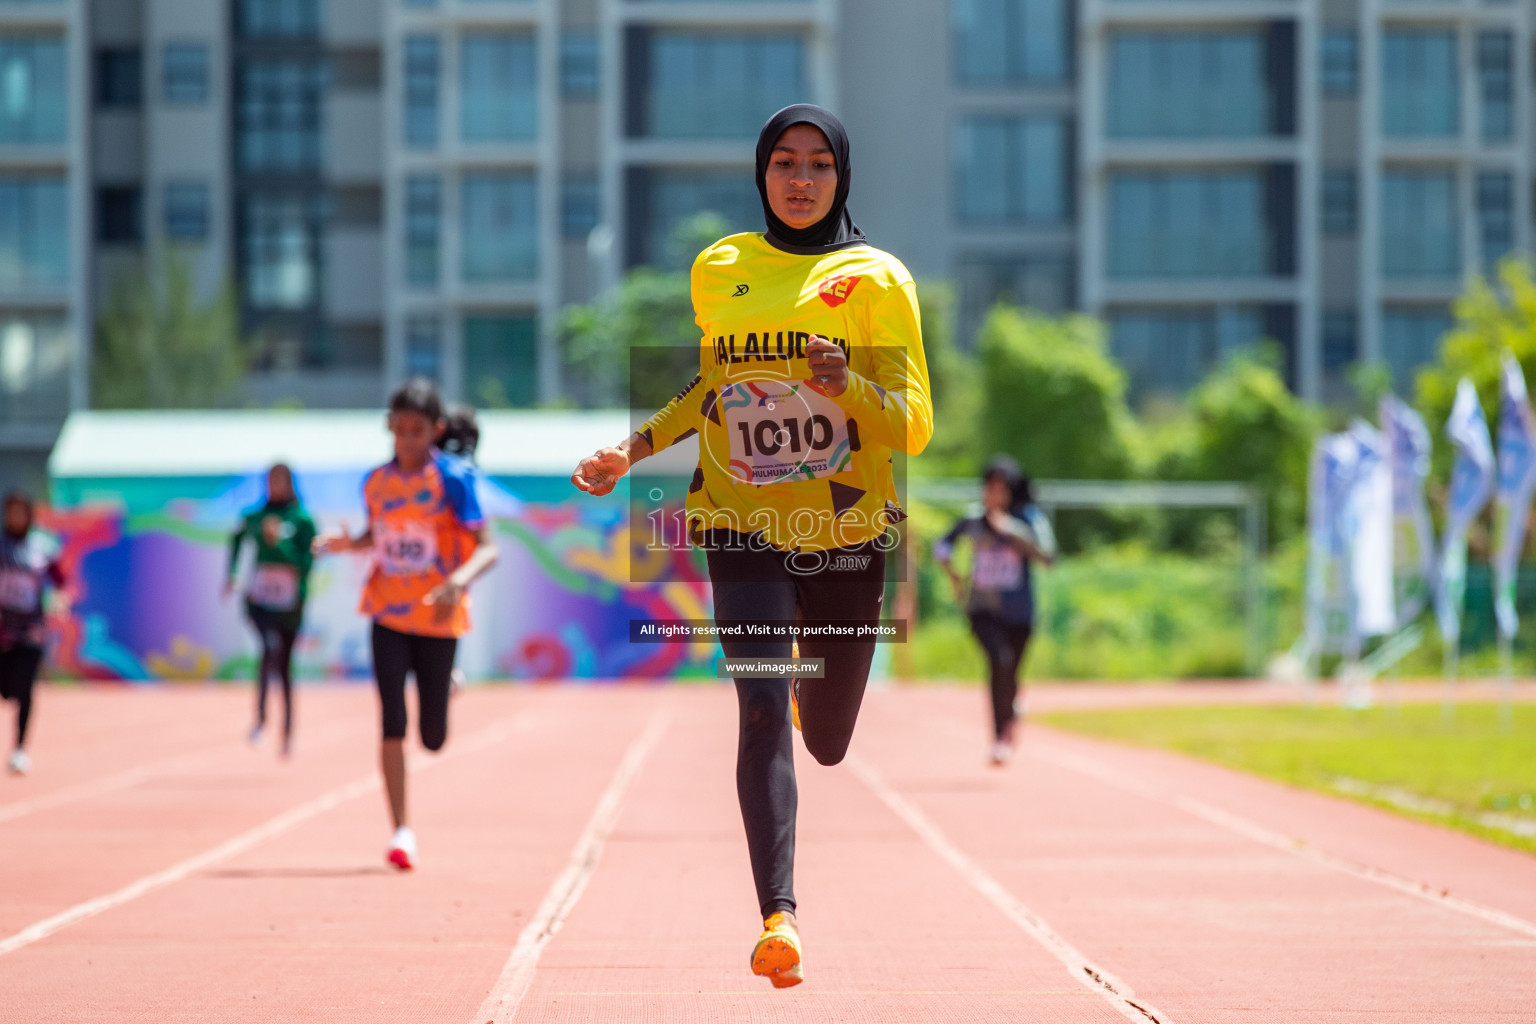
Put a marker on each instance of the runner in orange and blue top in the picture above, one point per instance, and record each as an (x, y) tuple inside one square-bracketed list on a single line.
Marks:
[(429, 542)]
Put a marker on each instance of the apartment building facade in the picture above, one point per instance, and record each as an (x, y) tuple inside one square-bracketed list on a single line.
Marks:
[(420, 186)]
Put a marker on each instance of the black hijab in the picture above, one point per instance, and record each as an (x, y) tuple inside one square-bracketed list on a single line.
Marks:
[(834, 231)]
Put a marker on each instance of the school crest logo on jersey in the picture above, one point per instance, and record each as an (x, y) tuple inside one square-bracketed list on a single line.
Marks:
[(835, 292)]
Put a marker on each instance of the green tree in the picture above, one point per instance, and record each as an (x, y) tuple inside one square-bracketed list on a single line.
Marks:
[(639, 344), (954, 377), (158, 347), (1052, 397)]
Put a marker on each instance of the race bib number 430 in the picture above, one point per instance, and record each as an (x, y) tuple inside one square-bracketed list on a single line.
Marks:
[(20, 591), (784, 430), (405, 549)]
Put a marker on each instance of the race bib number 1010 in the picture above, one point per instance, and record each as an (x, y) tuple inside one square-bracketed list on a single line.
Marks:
[(784, 430)]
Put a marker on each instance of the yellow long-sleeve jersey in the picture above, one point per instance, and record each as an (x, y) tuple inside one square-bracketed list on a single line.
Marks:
[(776, 455)]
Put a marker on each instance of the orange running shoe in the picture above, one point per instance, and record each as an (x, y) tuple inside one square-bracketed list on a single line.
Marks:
[(777, 953), (794, 689)]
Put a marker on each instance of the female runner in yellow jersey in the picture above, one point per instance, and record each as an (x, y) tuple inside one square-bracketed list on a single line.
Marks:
[(811, 372)]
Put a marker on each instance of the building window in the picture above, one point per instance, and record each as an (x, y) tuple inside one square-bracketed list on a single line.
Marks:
[(1341, 62), (423, 60), (119, 215), (501, 361), (1410, 339), (423, 231), (34, 90), (1419, 95), (185, 73), (279, 114), (1189, 224), (499, 229), (34, 233), (1012, 170), (1495, 75), (1340, 202), (1420, 229), (424, 347), (580, 72), (119, 79), (1188, 85), (280, 249), (662, 202), (708, 84), (498, 87), (279, 18), (1495, 215), (1041, 282), (186, 211), (34, 368), (579, 207), (1171, 350), (1341, 344), (1005, 42)]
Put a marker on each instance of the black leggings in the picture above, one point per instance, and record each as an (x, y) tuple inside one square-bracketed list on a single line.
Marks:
[(430, 659), (1004, 644), (757, 584), (18, 672), (278, 634)]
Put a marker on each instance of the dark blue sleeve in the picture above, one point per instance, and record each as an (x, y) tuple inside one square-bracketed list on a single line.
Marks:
[(459, 487)]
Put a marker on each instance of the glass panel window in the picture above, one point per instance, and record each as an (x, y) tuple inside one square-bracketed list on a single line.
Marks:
[(185, 73), (1002, 42), (119, 79), (423, 70), (424, 347), (1420, 230), (279, 18), (1420, 96), (1410, 339), (1340, 202), (689, 84), (662, 200), (186, 211), (1496, 219), (119, 215), (1340, 341), (498, 80), (1170, 350), (1341, 62), (34, 233), (1012, 170), (579, 207), (279, 114), (579, 64), (1188, 224), (1187, 85), (423, 230), (499, 227), (34, 90), (34, 368), (280, 248), (501, 361), (1042, 282), (1495, 76)]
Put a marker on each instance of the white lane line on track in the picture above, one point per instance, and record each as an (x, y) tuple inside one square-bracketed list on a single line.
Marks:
[(516, 977), (129, 777), (289, 819), (1287, 844), (1084, 971)]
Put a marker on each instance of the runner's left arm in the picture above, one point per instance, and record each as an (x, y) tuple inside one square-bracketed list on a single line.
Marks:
[(893, 407)]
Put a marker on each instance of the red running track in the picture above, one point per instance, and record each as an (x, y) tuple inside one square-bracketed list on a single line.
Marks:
[(582, 859)]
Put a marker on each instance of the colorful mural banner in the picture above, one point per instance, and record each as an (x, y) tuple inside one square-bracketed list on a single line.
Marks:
[(147, 566)]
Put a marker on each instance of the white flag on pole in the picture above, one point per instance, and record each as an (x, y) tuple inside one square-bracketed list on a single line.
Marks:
[(1365, 522), (1413, 533), (1517, 483), (1472, 483)]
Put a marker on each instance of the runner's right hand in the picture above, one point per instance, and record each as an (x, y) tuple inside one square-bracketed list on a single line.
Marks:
[(598, 473)]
